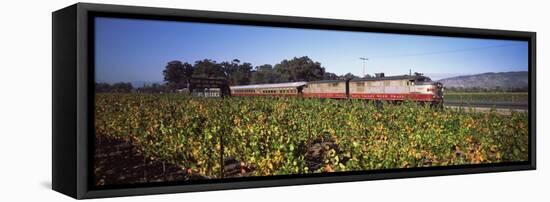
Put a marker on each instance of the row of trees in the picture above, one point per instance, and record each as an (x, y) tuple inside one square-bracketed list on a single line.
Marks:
[(123, 87), (177, 73), (120, 87)]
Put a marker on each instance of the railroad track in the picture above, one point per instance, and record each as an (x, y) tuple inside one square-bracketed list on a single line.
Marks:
[(497, 105)]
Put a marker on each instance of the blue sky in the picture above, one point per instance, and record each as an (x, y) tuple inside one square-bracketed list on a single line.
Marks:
[(129, 50)]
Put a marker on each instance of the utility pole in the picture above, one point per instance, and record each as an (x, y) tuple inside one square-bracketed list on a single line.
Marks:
[(364, 63)]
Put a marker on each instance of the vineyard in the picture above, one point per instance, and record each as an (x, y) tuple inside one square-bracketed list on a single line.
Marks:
[(281, 136)]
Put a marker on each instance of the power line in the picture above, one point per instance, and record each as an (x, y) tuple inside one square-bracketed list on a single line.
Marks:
[(444, 52)]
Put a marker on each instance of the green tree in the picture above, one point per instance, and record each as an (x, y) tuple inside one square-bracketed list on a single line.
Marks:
[(177, 74), (300, 69), (237, 73), (102, 87), (242, 75), (266, 74), (209, 69)]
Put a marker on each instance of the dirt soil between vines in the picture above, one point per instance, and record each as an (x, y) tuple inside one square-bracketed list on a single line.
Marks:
[(118, 162)]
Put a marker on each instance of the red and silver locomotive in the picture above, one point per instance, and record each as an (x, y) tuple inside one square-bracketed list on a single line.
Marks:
[(392, 88)]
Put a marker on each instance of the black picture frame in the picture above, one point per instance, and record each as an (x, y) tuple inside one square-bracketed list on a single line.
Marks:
[(73, 97)]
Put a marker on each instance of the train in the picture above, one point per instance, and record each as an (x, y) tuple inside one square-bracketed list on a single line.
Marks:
[(415, 87)]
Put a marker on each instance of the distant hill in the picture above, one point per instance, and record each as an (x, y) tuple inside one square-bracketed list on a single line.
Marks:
[(489, 81)]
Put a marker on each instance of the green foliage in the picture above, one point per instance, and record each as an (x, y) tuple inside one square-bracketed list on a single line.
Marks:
[(272, 134), (119, 87), (300, 69), (176, 74), (208, 68)]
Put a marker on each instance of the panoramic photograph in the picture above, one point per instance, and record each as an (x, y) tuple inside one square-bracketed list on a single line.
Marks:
[(193, 102)]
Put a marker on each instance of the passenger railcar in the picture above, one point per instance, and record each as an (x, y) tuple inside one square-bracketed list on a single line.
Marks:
[(276, 89)]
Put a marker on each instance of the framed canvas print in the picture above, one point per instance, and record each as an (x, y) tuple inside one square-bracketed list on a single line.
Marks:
[(155, 100)]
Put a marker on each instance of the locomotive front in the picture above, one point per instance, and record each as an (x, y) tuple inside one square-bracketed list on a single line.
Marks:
[(431, 89)]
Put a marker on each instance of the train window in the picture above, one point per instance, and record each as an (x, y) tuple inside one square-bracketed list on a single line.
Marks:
[(360, 83), (423, 79), (386, 83), (334, 84)]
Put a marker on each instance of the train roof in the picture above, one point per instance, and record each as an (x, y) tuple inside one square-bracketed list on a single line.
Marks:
[(385, 78), (327, 81), (271, 85)]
